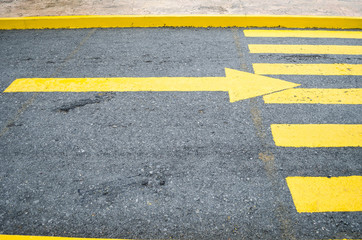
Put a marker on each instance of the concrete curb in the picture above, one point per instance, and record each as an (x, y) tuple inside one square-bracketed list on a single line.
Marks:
[(127, 21)]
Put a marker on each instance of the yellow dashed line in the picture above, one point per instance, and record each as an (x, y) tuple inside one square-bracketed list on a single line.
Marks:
[(322, 194)]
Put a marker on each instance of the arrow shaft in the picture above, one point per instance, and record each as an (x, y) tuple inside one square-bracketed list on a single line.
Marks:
[(119, 84)]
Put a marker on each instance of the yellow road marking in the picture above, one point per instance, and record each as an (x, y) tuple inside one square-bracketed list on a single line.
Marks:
[(316, 96), (303, 33), (322, 194), (22, 237), (307, 69), (317, 135), (121, 21), (305, 49), (240, 85)]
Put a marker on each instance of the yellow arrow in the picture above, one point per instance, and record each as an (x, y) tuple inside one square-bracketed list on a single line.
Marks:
[(240, 85)]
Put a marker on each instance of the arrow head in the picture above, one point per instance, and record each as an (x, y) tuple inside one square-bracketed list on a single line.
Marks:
[(245, 85)]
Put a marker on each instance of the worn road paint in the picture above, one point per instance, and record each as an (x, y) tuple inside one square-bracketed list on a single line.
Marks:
[(121, 21), (317, 135), (303, 33), (307, 69), (316, 96), (305, 49), (22, 237), (323, 194), (266, 153), (240, 85)]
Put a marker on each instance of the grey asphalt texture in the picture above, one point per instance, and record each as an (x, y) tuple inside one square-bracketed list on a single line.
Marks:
[(160, 165)]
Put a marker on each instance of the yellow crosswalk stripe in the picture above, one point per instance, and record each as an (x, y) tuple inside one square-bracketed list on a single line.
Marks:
[(316, 96), (303, 33), (307, 69), (315, 194), (305, 49), (317, 135), (322, 194)]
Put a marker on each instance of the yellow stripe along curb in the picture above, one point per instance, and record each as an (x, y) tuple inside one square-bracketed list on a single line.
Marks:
[(322, 194), (22, 237), (317, 135), (122, 21)]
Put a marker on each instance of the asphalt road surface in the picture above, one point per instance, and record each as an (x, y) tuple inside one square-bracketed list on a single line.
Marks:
[(171, 164)]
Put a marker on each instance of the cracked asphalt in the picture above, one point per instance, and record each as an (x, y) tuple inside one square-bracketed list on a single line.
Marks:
[(160, 165)]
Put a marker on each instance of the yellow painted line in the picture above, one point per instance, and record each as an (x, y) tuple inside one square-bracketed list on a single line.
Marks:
[(322, 194), (303, 33), (22, 237), (240, 85), (316, 96), (307, 69), (121, 21), (317, 135), (305, 49)]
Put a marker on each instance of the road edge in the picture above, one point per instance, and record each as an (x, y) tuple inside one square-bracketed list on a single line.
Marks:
[(199, 21)]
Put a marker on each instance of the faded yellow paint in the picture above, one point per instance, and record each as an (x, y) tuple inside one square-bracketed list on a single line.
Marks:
[(307, 69), (240, 85), (322, 194), (303, 33), (305, 49), (317, 135), (22, 237), (121, 21), (316, 96)]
